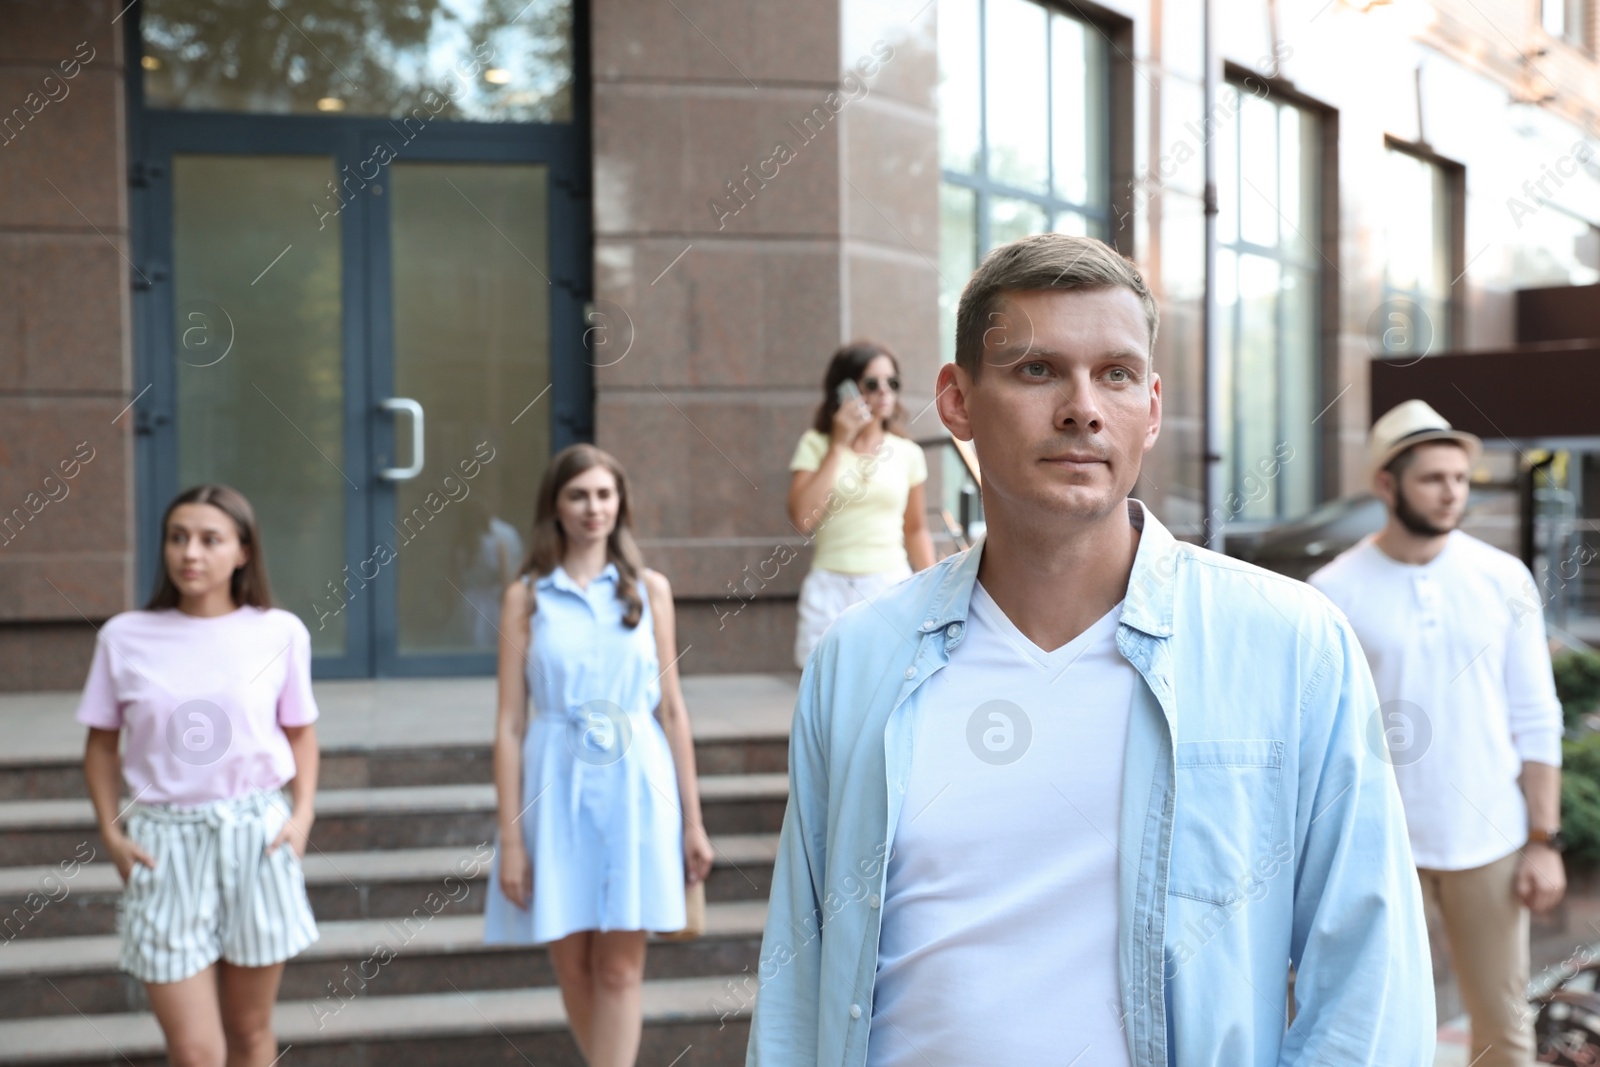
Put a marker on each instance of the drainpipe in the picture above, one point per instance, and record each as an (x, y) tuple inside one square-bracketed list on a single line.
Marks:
[(1211, 433)]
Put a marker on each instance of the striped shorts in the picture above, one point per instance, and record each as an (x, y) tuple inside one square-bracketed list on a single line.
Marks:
[(214, 892)]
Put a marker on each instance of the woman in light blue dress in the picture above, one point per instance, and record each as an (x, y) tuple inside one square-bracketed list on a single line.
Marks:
[(599, 810)]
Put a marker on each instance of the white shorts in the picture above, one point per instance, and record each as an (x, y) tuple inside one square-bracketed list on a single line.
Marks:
[(824, 594), (214, 892)]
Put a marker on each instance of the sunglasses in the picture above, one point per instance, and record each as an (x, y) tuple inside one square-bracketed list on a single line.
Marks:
[(872, 385)]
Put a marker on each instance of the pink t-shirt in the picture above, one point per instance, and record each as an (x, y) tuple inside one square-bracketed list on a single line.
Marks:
[(204, 701)]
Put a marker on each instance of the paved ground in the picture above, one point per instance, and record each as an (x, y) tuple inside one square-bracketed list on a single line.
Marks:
[(1557, 939)]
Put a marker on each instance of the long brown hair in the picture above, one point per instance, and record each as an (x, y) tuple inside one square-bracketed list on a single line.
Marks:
[(249, 585), (548, 543), (849, 364)]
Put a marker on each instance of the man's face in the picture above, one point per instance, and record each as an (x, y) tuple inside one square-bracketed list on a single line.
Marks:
[(1431, 494), (1066, 404)]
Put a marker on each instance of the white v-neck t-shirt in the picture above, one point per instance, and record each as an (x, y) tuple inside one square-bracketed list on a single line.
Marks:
[(999, 940)]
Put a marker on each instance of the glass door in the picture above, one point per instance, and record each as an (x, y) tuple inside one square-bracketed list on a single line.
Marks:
[(461, 348), (360, 259), (257, 367), (370, 361)]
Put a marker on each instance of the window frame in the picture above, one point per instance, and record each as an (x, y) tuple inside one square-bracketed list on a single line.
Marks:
[(1581, 36), (1455, 182), (154, 135), (1324, 372), (1111, 217)]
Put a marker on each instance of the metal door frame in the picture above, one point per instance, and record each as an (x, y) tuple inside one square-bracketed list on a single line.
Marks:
[(156, 135)]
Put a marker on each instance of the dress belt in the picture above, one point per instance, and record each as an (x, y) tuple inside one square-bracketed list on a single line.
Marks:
[(597, 735)]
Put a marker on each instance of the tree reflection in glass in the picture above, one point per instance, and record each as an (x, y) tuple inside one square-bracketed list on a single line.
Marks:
[(474, 60)]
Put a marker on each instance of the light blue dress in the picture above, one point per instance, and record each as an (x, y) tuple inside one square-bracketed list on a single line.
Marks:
[(602, 823)]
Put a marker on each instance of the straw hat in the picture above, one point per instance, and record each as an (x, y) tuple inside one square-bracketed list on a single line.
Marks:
[(1413, 423)]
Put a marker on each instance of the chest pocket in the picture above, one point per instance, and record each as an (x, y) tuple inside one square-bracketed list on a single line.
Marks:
[(1230, 822)]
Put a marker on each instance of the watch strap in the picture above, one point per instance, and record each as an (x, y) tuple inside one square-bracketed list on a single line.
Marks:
[(1549, 838)]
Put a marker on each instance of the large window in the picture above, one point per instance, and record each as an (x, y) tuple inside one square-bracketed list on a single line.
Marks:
[(1554, 246), (1269, 268), (1419, 257), (1023, 104), (1566, 20)]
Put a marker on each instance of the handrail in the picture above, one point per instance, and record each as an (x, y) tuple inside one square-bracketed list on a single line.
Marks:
[(968, 488), (969, 457), (964, 449), (952, 528)]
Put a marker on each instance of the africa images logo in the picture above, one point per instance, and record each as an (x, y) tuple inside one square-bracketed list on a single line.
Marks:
[(1399, 732), (199, 732), (599, 733), (999, 732)]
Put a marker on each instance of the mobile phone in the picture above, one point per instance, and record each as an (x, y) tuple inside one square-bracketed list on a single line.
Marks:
[(847, 391)]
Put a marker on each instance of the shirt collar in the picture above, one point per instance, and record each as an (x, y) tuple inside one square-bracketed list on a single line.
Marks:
[(560, 579), (1147, 606), (1370, 544)]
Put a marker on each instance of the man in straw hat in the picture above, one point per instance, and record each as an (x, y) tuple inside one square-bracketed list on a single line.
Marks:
[(1469, 716), (1083, 792)]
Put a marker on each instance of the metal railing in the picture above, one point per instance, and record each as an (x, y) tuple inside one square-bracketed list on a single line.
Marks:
[(955, 505)]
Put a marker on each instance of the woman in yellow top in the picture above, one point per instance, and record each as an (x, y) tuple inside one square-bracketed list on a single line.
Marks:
[(857, 491)]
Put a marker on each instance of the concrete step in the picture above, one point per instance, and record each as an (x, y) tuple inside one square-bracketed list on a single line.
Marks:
[(404, 829), (47, 832), (427, 953), (689, 1022), (378, 713), (399, 765), (48, 902)]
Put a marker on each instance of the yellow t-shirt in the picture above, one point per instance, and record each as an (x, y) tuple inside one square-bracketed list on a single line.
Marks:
[(862, 528)]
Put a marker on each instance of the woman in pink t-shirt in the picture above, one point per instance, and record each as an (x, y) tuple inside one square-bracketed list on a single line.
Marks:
[(212, 686)]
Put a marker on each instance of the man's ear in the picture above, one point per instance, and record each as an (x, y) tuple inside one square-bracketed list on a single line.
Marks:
[(1385, 485), (951, 389), (1154, 430)]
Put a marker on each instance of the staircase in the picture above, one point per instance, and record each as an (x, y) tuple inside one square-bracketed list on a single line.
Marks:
[(397, 875)]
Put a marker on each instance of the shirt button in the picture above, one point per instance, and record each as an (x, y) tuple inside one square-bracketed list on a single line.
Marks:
[(911, 672), (855, 1011), (873, 901), (953, 630)]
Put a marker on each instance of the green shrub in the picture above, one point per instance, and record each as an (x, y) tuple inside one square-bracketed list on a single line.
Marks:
[(1577, 684), (1580, 800)]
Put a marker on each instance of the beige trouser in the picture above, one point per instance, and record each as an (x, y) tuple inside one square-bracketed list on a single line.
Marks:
[(1487, 927)]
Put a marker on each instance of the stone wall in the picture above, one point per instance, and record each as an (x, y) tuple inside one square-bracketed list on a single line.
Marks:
[(766, 188), (66, 484)]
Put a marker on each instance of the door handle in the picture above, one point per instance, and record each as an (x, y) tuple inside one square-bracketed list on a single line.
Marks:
[(406, 404)]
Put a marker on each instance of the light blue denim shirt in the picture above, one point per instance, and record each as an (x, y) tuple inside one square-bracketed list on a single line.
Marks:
[(1259, 827)]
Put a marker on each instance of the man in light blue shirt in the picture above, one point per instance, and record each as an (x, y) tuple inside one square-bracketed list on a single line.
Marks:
[(1084, 793)]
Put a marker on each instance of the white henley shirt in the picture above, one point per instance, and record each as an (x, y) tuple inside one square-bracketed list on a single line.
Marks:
[(1458, 652)]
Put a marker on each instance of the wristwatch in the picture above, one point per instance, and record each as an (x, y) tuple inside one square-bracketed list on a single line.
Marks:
[(1551, 839)]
